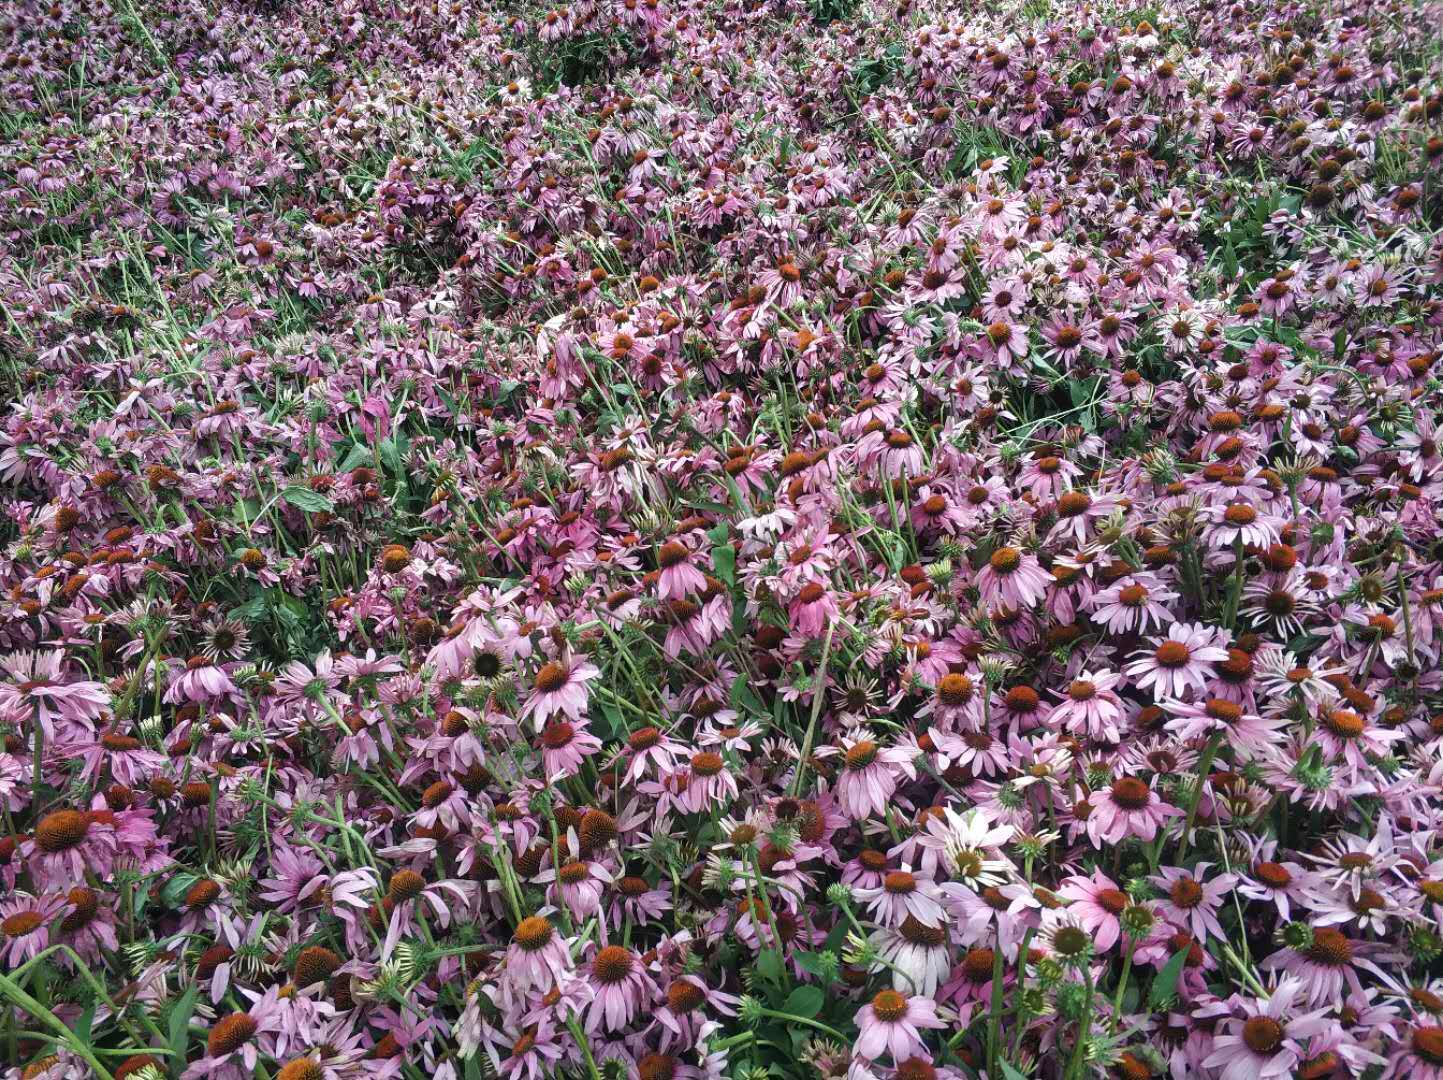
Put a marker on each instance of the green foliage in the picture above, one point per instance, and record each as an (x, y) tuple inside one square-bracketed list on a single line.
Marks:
[(824, 12), (582, 60), (303, 498), (872, 74), (1164, 986)]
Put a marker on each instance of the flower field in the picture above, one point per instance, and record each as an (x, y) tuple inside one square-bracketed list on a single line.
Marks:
[(721, 540)]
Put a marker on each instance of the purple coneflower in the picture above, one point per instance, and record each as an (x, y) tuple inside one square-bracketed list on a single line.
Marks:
[(621, 988), (1090, 707), (1012, 578), (1098, 904), (537, 957), (1264, 1041), (25, 926), (1326, 963), (1248, 734), (1417, 1056), (901, 895), (678, 578), (868, 778), (1132, 604), (1190, 903), (1128, 808), (892, 1023), (559, 688), (1180, 661), (37, 685), (564, 746), (710, 783), (683, 1014)]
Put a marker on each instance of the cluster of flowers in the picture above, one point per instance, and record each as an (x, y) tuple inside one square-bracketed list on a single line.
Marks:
[(711, 539)]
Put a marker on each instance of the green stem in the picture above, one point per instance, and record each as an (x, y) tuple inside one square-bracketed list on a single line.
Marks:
[(1204, 767), (830, 1032), (819, 693), (1121, 987), (38, 776), (733, 1040), (11, 990), (1235, 587), (1084, 1028), (994, 1016), (581, 1040), (1407, 620)]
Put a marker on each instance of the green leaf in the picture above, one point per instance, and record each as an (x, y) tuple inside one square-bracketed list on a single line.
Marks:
[(616, 724), (724, 559), (290, 610), (394, 452), (82, 1025), (179, 1025), (707, 505), (303, 498), (810, 962), (1165, 985), (805, 1001), (740, 623), (769, 965), (1082, 390), (1008, 1071), (355, 456), (745, 699), (174, 890), (253, 609)]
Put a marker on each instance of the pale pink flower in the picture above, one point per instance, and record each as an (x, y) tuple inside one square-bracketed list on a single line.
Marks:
[(1090, 707), (1179, 662), (892, 1023), (868, 777), (25, 922), (1012, 578), (903, 894), (37, 685), (1190, 902), (1128, 808), (559, 688), (622, 987), (1098, 904), (537, 957), (678, 578), (1261, 1039)]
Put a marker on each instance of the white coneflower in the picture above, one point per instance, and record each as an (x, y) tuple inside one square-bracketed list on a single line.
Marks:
[(919, 957), (1281, 602), (1181, 329), (1282, 674), (971, 845), (1065, 936), (225, 639), (859, 698)]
